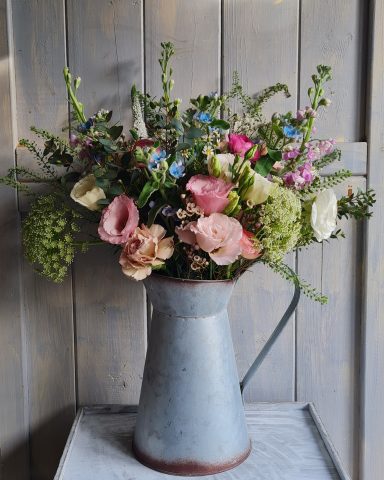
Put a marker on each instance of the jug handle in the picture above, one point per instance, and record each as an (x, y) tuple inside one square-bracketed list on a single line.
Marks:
[(275, 334)]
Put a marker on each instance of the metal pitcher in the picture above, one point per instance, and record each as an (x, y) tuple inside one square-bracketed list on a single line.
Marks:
[(191, 418)]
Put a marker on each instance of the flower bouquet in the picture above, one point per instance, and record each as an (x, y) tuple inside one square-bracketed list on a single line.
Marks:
[(201, 193)]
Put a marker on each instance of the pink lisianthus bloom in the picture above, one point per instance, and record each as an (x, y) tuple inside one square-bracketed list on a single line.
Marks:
[(145, 249), (240, 144), (185, 233), (118, 220), (219, 236), (209, 193), (248, 248)]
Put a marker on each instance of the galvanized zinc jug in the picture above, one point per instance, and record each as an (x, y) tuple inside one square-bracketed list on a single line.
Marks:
[(191, 418)]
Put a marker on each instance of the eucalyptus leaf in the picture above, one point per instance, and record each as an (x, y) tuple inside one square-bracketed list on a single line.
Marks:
[(116, 131), (194, 132), (275, 155), (218, 123)]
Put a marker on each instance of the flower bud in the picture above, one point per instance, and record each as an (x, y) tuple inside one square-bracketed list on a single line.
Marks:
[(251, 152), (311, 91), (233, 203), (214, 166), (171, 84), (77, 82), (325, 102)]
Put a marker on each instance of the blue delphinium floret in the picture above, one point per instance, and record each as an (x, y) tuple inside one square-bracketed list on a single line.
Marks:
[(291, 132), (177, 169), (203, 117)]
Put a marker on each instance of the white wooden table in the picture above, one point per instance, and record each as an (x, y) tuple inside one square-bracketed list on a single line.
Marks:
[(288, 443)]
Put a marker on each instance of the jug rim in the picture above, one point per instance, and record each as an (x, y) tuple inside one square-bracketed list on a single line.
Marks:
[(190, 280)]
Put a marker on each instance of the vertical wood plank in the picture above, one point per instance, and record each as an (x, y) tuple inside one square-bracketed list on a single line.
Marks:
[(328, 336), (13, 428), (333, 33), (39, 46), (105, 49), (260, 42), (372, 431), (194, 29)]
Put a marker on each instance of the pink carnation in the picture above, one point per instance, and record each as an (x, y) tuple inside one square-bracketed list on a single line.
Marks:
[(240, 144), (248, 249), (118, 220), (217, 235), (209, 193)]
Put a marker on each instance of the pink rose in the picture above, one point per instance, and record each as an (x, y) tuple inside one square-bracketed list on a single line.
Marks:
[(118, 220), (219, 236), (248, 249), (209, 193), (145, 249), (240, 144)]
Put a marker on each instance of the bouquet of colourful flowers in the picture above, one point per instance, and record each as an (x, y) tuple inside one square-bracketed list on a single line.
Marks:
[(200, 193)]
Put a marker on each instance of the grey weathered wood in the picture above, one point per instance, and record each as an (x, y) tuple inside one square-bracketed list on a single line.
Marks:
[(195, 31), (249, 44), (372, 385), (105, 49), (353, 158), (39, 46), (288, 443), (13, 428), (328, 336), (332, 33)]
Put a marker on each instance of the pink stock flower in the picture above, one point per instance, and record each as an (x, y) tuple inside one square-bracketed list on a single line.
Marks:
[(209, 193), (326, 146), (300, 178), (219, 236), (240, 144), (118, 220), (145, 249), (248, 248), (291, 152)]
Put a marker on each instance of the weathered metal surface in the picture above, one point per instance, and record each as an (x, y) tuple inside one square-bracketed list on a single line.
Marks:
[(288, 443), (190, 419)]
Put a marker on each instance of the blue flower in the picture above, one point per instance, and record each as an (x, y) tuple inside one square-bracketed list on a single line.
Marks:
[(177, 169), (203, 117), (157, 157), (291, 132), (168, 211), (83, 127)]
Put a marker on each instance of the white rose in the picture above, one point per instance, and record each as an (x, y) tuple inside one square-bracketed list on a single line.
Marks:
[(324, 214), (260, 190), (87, 193)]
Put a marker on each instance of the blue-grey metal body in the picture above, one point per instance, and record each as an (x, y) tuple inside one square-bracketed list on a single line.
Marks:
[(191, 418)]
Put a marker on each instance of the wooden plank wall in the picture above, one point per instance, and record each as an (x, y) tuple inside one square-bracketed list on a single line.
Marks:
[(84, 342)]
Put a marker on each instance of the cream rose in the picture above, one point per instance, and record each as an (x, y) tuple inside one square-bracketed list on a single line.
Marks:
[(260, 190), (86, 193), (145, 249), (324, 214)]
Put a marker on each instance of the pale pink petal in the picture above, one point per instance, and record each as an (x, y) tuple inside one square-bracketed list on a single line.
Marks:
[(185, 234), (165, 248)]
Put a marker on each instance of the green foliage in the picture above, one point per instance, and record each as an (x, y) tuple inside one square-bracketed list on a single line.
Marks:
[(356, 205), (288, 274), (327, 159), (48, 237), (329, 181)]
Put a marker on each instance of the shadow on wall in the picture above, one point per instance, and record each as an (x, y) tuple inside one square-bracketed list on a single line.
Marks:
[(46, 445)]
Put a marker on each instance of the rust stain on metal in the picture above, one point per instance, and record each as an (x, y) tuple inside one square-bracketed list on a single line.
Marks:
[(189, 468)]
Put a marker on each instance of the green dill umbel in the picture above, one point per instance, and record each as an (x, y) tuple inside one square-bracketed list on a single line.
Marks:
[(49, 237)]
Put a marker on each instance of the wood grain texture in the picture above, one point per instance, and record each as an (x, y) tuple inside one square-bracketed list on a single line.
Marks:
[(328, 336), (246, 26), (195, 31), (288, 443), (39, 46), (333, 33), (105, 49), (372, 439), (13, 428)]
